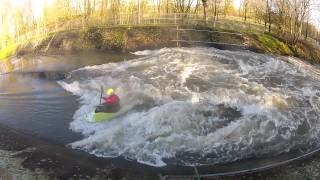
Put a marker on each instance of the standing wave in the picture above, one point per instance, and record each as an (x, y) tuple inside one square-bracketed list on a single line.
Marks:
[(196, 106)]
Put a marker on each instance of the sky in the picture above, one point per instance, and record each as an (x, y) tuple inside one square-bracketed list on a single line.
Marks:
[(236, 4), (36, 5)]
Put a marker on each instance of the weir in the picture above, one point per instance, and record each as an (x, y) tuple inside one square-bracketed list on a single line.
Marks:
[(178, 40)]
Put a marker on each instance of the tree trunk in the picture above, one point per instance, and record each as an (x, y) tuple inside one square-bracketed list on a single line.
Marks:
[(245, 11), (215, 10), (266, 15), (269, 22), (85, 8), (89, 8), (139, 13), (93, 7), (102, 8), (196, 8), (204, 3), (269, 17), (205, 14), (307, 29), (159, 7)]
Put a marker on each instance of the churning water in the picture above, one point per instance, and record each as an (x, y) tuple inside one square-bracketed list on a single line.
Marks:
[(194, 106)]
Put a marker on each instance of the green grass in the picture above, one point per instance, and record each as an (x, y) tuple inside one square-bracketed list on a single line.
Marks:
[(273, 45), (269, 44), (7, 51)]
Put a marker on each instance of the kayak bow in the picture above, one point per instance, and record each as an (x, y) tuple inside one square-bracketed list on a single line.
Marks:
[(101, 116)]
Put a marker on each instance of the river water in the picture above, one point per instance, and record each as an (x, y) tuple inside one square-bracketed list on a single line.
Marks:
[(186, 106), (196, 106), (31, 100)]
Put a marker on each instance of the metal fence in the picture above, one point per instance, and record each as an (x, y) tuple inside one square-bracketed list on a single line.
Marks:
[(175, 20)]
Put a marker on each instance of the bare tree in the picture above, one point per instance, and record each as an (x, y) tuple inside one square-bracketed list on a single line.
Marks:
[(245, 9), (183, 6), (215, 4), (227, 6), (300, 11), (204, 3), (139, 12), (267, 16)]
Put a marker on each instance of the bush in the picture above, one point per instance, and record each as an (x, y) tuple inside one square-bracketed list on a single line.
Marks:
[(94, 37), (114, 39)]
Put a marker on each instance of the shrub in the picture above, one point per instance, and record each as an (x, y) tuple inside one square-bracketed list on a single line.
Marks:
[(94, 37), (114, 39)]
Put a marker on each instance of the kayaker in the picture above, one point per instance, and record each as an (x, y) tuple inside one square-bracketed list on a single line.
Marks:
[(111, 102)]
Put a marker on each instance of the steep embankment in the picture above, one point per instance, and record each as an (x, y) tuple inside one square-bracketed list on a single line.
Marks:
[(116, 38), (267, 43), (150, 37)]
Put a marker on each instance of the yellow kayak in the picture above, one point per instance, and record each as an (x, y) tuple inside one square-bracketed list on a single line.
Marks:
[(102, 116), (108, 116)]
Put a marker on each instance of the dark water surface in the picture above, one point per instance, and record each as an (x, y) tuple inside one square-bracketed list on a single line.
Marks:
[(32, 102)]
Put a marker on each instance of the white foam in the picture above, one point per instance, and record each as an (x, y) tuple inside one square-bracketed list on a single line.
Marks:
[(148, 52), (196, 106)]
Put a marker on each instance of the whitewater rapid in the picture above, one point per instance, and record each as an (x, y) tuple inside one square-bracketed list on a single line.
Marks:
[(195, 106)]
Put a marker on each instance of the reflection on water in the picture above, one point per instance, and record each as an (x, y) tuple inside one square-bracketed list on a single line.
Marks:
[(6, 66), (60, 62), (36, 106), (31, 101)]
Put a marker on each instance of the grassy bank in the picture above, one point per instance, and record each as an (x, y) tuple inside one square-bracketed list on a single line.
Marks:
[(121, 38), (135, 38), (8, 51), (258, 40), (267, 43), (113, 38)]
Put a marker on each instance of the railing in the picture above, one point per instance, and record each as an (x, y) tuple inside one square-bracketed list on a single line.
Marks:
[(175, 20)]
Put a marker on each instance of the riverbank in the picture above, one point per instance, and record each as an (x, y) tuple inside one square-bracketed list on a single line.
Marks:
[(133, 38), (23, 155)]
